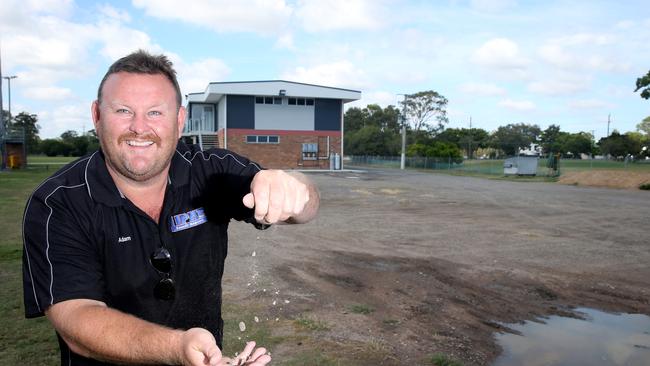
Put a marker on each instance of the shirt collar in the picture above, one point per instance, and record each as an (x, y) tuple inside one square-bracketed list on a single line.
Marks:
[(102, 188)]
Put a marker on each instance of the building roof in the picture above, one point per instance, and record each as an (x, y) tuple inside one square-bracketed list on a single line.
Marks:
[(217, 90)]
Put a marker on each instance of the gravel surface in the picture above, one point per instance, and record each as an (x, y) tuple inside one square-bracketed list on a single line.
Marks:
[(440, 263)]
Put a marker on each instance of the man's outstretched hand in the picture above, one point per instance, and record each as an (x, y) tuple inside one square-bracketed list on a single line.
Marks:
[(278, 196), (199, 348)]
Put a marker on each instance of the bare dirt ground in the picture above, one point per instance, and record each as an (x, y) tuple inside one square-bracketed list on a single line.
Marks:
[(441, 263), (606, 178)]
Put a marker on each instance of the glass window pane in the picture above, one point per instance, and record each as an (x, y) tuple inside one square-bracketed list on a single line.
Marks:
[(262, 139), (259, 100), (292, 101), (251, 139), (268, 100), (301, 101), (273, 139), (310, 102), (277, 100)]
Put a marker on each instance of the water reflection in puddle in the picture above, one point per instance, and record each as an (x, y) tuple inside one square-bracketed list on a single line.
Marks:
[(602, 339)]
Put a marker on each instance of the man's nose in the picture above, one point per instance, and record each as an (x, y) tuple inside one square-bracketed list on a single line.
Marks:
[(139, 123)]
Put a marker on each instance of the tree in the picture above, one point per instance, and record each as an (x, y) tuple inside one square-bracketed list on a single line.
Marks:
[(618, 145), (371, 140), (643, 84), (29, 124), (423, 107), (644, 126), (468, 139), (576, 143), (372, 115), (512, 137), (438, 149), (550, 139)]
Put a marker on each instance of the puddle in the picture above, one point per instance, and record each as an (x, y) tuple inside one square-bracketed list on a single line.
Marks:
[(601, 339)]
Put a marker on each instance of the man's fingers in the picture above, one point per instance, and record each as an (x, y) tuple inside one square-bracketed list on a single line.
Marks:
[(249, 200), (276, 201), (261, 195)]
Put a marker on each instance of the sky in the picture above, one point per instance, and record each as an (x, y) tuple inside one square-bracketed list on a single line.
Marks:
[(568, 63)]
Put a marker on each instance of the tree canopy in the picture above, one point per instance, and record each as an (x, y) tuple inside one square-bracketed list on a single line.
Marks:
[(643, 84), (425, 107)]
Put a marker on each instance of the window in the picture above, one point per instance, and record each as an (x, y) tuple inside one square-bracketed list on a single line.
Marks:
[(309, 151), (277, 100), (292, 101), (268, 100), (301, 101), (259, 100), (309, 102), (262, 139)]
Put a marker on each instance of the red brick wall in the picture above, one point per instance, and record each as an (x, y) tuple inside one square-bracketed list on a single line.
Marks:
[(288, 153)]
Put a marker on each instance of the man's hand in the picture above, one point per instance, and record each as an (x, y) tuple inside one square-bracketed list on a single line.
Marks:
[(250, 356), (199, 348), (280, 197)]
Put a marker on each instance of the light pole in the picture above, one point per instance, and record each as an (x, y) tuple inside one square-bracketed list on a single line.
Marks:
[(9, 90), (402, 164)]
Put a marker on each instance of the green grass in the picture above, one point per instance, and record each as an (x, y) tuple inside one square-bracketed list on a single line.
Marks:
[(440, 359), (24, 341), (311, 324), (361, 309), (42, 159), (645, 186)]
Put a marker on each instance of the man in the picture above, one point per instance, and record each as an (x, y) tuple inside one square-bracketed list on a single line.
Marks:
[(124, 249)]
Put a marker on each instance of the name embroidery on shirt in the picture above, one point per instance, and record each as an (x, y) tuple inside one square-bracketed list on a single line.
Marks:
[(187, 220), (123, 239)]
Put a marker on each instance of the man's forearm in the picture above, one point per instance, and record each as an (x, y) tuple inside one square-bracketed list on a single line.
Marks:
[(96, 331)]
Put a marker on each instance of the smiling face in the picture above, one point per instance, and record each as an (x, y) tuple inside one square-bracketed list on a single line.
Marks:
[(138, 123)]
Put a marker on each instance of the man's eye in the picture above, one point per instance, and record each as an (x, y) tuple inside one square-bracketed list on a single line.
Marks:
[(154, 113), (123, 111)]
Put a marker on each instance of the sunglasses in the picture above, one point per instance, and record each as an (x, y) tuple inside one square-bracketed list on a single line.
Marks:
[(161, 260)]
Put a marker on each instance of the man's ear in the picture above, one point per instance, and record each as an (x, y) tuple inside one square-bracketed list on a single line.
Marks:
[(181, 119), (94, 111)]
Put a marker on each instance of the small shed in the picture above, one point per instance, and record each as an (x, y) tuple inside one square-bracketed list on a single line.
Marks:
[(521, 165)]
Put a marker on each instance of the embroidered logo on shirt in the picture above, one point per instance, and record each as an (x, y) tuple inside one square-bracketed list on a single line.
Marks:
[(187, 220), (123, 239)]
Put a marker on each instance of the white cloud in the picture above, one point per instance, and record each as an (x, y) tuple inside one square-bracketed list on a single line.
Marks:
[(341, 74), (118, 40), (558, 87), (114, 13), (317, 15), (589, 104), (285, 41), (500, 53), (382, 98), (482, 89), (194, 77), (67, 117), (584, 51), (518, 105), (48, 93), (258, 16)]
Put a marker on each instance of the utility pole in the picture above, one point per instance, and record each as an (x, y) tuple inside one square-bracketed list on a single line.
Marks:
[(608, 121), (402, 163), (3, 150), (9, 90), (469, 140)]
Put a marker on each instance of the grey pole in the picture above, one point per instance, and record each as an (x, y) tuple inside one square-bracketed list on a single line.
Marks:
[(402, 164), (3, 156), (9, 90)]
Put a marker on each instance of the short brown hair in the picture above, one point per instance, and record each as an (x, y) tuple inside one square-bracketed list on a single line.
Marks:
[(142, 62)]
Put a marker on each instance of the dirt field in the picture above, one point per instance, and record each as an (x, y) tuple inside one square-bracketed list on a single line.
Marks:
[(437, 263), (606, 178)]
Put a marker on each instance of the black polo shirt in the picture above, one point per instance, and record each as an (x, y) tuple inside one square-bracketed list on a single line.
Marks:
[(84, 240)]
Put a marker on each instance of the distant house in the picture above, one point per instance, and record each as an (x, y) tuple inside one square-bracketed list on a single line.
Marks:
[(280, 124)]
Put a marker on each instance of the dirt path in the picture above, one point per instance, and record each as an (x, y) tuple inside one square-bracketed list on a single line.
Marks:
[(402, 266)]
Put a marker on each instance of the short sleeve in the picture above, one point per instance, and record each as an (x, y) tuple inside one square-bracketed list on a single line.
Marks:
[(60, 260), (229, 177)]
